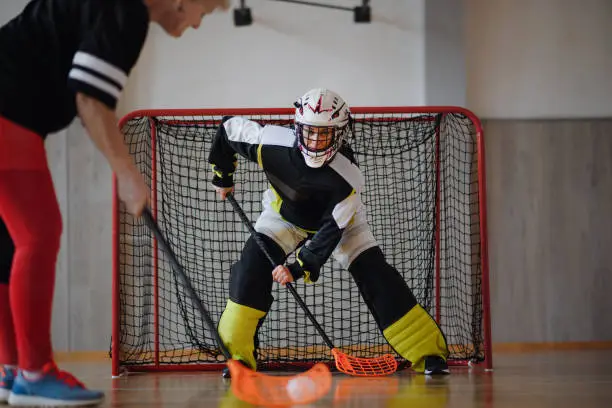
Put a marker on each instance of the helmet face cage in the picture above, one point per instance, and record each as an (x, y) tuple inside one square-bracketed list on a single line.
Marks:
[(317, 141), (322, 123)]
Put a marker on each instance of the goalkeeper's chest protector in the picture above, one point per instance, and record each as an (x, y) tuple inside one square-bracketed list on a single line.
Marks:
[(56, 48), (306, 197), (323, 201)]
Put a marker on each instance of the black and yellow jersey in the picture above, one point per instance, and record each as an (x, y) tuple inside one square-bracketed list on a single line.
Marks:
[(321, 201)]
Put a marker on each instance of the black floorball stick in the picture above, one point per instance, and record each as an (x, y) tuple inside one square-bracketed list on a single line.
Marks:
[(178, 270)]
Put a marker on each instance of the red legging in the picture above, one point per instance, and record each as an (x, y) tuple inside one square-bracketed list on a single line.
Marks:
[(30, 230)]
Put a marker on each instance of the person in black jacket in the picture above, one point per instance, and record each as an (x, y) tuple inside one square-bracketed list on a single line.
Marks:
[(60, 59)]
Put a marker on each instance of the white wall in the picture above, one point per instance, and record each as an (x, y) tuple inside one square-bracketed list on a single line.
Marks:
[(445, 53), (289, 49), (9, 9), (539, 59)]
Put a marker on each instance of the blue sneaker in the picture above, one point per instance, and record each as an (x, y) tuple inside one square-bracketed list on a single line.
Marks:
[(53, 388), (7, 378)]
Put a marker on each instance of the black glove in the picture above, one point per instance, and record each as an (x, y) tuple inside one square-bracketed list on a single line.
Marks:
[(222, 180), (297, 271)]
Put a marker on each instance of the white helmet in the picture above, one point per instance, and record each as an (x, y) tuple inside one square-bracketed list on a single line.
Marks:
[(322, 122)]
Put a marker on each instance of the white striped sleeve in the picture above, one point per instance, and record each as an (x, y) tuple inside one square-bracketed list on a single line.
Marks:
[(102, 78), (108, 49), (344, 211)]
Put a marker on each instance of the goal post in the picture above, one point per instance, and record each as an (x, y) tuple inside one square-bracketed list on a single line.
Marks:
[(425, 199)]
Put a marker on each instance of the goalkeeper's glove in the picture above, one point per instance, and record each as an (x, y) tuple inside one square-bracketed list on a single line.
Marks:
[(298, 271), (220, 179)]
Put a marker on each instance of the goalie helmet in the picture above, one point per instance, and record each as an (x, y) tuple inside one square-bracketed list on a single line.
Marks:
[(322, 123)]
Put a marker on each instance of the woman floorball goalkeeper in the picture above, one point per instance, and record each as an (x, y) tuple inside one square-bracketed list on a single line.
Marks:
[(313, 205), (60, 59)]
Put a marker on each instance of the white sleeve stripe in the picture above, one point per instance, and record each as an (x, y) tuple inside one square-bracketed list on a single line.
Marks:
[(351, 173), (278, 136), (345, 210), (94, 81), (98, 65), (243, 130)]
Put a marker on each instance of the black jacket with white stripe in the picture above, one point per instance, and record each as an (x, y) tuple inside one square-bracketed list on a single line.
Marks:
[(321, 201), (56, 48)]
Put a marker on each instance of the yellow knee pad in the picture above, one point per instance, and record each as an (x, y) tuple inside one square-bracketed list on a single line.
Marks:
[(415, 336), (237, 328)]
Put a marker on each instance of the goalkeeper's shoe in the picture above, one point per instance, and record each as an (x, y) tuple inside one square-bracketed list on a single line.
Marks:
[(53, 388), (226, 371), (435, 365), (7, 378)]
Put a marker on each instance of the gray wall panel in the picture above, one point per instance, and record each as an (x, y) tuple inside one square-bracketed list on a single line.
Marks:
[(550, 229)]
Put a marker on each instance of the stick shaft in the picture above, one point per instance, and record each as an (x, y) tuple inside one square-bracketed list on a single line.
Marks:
[(262, 246), (178, 269)]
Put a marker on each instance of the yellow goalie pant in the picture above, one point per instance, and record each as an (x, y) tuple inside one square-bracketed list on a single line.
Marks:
[(237, 329), (415, 336), (250, 298)]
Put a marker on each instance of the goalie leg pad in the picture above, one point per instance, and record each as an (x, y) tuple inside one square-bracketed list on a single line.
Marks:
[(250, 298), (250, 281), (416, 336), (382, 287), (237, 328), (408, 328)]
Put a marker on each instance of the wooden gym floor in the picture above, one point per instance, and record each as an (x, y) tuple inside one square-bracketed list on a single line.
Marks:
[(555, 379)]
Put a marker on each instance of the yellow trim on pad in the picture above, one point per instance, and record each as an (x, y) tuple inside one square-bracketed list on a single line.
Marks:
[(415, 336), (237, 328), (259, 159)]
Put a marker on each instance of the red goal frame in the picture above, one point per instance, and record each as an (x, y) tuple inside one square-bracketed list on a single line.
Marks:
[(156, 366)]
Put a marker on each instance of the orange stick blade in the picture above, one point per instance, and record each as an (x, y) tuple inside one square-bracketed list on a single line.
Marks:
[(365, 367), (279, 391)]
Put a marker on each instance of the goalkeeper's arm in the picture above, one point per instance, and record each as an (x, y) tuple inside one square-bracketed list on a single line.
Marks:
[(313, 255), (235, 135)]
